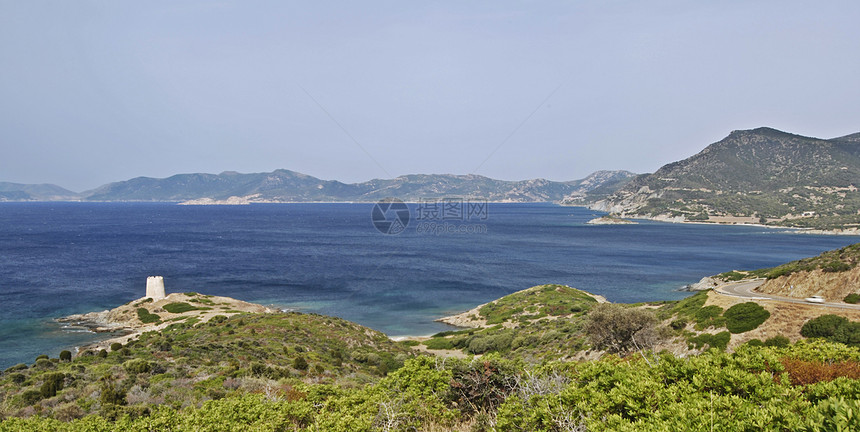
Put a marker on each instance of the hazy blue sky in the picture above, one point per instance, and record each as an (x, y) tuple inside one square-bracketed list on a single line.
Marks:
[(92, 92)]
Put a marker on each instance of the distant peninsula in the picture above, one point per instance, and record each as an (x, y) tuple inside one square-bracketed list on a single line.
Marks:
[(285, 186)]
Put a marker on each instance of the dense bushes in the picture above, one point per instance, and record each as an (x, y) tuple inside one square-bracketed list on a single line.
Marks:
[(300, 363), (179, 307), (751, 389), (834, 414), (709, 316), (833, 328), (744, 317), (719, 340), (779, 341), (147, 317), (137, 366), (53, 382)]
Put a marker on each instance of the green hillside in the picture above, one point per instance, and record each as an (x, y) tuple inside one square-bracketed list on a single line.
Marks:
[(833, 261), (652, 367), (187, 364), (802, 387), (772, 176)]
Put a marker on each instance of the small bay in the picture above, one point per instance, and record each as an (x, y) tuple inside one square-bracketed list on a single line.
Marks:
[(58, 259)]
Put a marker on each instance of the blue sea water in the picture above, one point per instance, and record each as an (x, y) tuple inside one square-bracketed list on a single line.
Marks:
[(62, 258)]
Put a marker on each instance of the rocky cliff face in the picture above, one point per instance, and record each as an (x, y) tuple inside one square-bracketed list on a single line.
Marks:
[(598, 184), (832, 286)]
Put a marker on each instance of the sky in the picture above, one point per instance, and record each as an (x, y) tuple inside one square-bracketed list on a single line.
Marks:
[(98, 91)]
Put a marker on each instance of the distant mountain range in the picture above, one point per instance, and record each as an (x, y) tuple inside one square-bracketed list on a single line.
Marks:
[(752, 176), (290, 186), (761, 175)]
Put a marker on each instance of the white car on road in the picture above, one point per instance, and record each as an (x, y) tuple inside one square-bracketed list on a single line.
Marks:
[(815, 299)]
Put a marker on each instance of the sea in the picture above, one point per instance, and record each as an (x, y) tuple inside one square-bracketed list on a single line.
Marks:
[(394, 269)]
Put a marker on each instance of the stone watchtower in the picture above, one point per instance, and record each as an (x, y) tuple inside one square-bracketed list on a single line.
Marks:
[(155, 288)]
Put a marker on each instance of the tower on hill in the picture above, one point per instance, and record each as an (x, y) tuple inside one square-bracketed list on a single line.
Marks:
[(155, 288)]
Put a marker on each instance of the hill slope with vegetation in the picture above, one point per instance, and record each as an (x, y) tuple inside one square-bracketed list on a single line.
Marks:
[(761, 175), (189, 363), (803, 387), (833, 275)]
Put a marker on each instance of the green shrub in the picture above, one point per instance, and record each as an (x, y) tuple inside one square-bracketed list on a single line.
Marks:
[(824, 326), (65, 355), (719, 340), (744, 317), (29, 397), (852, 298), (709, 316), (833, 328), (17, 367), (111, 394), (678, 324), (17, 378), (259, 369), (835, 414), (439, 344), (732, 276), (778, 341), (44, 363), (835, 267), (179, 307), (116, 346), (686, 307), (53, 382), (755, 342), (300, 363), (137, 366), (480, 345), (146, 317)]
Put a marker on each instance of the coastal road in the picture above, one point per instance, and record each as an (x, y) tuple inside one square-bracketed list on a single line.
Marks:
[(744, 289)]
